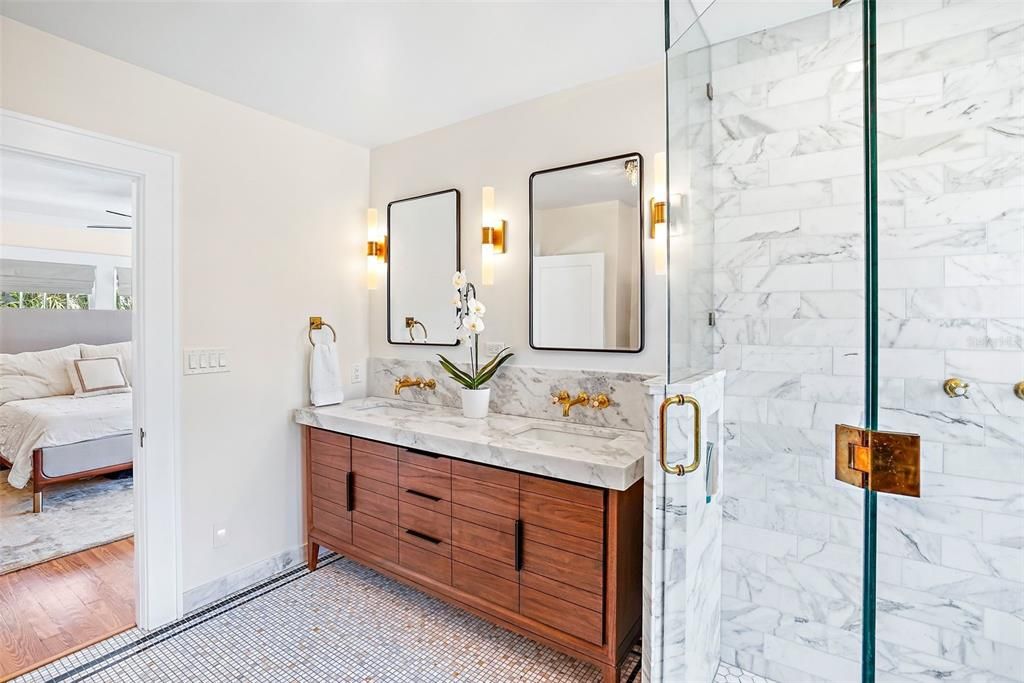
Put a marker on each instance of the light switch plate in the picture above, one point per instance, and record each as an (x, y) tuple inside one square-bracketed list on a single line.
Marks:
[(357, 372), (203, 361)]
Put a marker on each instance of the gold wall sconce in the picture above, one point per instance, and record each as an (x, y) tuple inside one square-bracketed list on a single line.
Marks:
[(376, 249), (492, 236), (659, 215)]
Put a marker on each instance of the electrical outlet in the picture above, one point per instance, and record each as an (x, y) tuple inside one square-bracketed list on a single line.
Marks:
[(220, 536), (494, 348), (357, 373)]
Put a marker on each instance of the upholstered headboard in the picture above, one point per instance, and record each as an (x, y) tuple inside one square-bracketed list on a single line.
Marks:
[(34, 329)]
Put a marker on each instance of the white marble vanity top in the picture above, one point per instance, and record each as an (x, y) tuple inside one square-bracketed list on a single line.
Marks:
[(598, 456)]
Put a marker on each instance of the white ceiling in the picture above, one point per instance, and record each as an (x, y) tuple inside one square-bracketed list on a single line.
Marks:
[(367, 72), (40, 191)]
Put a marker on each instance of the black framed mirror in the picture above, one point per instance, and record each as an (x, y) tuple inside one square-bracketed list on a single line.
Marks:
[(587, 256), (423, 252)]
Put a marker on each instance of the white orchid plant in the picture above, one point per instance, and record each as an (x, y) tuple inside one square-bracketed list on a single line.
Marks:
[(469, 323)]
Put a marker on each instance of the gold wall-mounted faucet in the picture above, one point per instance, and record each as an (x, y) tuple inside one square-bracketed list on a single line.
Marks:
[(562, 398), (419, 383)]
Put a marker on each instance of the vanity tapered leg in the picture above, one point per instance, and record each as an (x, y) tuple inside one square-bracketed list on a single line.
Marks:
[(610, 674), (312, 555)]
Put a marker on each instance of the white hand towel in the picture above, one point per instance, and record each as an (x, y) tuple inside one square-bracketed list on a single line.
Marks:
[(325, 375)]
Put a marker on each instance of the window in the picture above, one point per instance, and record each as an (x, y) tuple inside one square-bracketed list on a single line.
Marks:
[(124, 303), (44, 300)]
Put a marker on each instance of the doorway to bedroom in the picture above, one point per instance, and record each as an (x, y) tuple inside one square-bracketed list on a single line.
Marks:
[(66, 411)]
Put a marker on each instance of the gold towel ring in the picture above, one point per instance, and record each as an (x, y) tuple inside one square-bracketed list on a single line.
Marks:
[(411, 323), (317, 323)]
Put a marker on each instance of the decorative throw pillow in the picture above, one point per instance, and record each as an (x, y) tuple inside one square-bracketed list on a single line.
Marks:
[(97, 376), (36, 374), (122, 350)]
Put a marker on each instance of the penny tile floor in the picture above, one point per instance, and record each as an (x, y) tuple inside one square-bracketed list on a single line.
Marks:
[(341, 623)]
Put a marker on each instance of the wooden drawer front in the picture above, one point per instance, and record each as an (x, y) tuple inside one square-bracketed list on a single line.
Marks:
[(421, 480), (428, 460), (498, 546), (332, 467), (413, 497), (574, 544), (330, 490), (563, 566), (487, 564), (497, 500), (486, 586), (575, 493), (331, 456), (576, 596), (424, 562), (374, 541), (425, 541), (375, 447), (368, 465), (322, 437), (562, 516), (486, 473), (484, 519), (376, 505), (433, 524), (562, 615), (329, 519)]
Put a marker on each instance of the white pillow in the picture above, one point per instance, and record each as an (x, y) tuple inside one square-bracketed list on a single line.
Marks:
[(122, 350), (97, 376), (36, 374)]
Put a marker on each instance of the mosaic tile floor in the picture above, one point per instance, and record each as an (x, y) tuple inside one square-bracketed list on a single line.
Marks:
[(341, 623)]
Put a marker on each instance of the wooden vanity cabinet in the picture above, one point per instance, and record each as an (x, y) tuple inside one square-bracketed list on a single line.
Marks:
[(556, 561)]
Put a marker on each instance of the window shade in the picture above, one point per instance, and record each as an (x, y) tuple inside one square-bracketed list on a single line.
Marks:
[(50, 278), (124, 281)]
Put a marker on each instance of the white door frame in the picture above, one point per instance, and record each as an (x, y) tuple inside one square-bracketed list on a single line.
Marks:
[(156, 344)]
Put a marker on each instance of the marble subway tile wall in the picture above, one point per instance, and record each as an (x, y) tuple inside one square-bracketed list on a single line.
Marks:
[(789, 296)]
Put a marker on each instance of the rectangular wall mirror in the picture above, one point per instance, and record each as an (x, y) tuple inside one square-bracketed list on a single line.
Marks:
[(423, 252), (586, 256)]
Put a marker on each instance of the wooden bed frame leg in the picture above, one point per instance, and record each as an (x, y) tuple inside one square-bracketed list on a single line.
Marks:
[(37, 502)]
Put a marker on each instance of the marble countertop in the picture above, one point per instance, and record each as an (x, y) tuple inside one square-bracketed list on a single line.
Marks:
[(598, 456)]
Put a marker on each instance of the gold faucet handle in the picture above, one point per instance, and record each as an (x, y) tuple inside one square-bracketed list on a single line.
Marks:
[(560, 397), (582, 397), (601, 401), (428, 383)]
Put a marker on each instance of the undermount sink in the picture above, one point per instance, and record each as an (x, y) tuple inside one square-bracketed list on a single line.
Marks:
[(567, 437), (387, 409)]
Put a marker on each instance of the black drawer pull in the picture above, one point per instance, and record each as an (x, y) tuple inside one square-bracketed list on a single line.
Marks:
[(435, 541), (350, 503), (435, 456), (423, 495), (519, 544)]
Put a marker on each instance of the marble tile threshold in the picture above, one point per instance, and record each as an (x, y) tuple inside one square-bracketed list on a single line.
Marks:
[(122, 655)]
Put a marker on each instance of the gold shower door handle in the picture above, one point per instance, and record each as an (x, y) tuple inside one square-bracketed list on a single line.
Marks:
[(679, 470)]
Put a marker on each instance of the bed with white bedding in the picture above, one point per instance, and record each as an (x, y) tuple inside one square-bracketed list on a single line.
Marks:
[(65, 414), (43, 423)]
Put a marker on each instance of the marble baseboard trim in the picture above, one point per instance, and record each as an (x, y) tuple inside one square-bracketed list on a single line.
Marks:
[(524, 391), (251, 574)]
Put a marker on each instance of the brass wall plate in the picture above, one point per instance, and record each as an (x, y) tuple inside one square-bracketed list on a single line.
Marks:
[(315, 322), (887, 462)]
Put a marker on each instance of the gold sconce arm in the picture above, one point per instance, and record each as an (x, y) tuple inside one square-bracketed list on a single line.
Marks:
[(678, 470)]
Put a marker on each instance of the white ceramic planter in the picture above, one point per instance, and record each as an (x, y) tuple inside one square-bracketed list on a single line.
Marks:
[(475, 402)]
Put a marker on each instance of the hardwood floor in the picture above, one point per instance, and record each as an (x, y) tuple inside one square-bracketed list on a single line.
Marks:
[(63, 605)]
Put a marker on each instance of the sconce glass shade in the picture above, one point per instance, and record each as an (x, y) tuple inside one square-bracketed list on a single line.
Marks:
[(372, 239), (659, 214), (492, 236)]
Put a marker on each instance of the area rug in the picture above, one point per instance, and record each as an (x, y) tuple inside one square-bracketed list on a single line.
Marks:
[(77, 515)]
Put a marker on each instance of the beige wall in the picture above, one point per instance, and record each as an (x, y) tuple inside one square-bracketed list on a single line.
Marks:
[(502, 148), (271, 232)]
